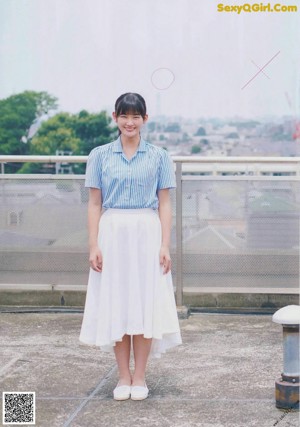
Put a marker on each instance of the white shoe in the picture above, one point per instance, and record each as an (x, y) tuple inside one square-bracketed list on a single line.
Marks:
[(122, 392), (139, 392)]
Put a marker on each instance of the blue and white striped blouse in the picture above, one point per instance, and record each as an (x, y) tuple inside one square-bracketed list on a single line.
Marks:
[(129, 184)]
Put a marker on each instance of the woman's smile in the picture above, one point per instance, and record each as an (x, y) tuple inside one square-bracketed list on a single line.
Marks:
[(129, 123)]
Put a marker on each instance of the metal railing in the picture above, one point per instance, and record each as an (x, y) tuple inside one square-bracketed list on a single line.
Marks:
[(236, 221), (210, 165)]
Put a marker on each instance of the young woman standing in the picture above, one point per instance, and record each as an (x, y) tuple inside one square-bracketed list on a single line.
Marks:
[(130, 299)]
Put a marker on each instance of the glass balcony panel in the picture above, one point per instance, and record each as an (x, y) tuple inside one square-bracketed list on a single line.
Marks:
[(240, 234)]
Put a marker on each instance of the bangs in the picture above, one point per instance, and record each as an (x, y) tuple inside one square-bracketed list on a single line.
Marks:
[(130, 104)]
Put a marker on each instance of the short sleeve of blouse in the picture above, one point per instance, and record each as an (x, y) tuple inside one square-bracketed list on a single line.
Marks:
[(166, 177), (94, 170)]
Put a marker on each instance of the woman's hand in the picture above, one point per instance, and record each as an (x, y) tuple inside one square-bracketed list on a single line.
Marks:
[(165, 259), (165, 216), (96, 259)]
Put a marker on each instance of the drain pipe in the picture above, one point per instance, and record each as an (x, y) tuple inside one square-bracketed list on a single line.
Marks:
[(287, 387)]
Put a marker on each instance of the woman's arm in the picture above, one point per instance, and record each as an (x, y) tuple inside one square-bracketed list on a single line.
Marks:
[(94, 213), (165, 215)]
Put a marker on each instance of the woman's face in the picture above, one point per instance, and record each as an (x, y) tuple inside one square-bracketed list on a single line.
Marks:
[(130, 124)]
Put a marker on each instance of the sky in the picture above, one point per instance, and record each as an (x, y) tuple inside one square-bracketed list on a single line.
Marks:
[(186, 58)]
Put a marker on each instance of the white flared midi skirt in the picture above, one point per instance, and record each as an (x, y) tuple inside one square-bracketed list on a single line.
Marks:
[(131, 295)]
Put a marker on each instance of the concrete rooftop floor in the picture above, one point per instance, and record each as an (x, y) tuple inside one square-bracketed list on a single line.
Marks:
[(222, 375)]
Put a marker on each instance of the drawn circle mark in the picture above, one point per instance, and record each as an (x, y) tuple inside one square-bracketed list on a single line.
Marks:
[(162, 78)]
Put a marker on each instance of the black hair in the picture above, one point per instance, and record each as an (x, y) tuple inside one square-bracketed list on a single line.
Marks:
[(130, 103)]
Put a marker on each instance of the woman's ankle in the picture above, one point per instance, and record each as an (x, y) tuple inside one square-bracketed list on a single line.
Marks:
[(138, 380), (125, 379)]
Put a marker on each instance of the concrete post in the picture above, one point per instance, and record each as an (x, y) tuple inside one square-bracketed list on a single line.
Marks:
[(179, 287)]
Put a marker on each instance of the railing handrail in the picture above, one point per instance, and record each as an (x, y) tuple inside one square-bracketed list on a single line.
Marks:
[(234, 159), (42, 159), (176, 159)]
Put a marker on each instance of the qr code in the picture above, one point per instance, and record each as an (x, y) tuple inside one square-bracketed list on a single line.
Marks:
[(18, 407)]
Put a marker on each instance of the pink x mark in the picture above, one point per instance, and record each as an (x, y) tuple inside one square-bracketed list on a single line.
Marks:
[(261, 70)]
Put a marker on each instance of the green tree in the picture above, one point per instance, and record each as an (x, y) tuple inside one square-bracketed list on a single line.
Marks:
[(92, 130), (55, 134), (232, 135), (151, 126), (201, 131), (204, 141), (77, 134), (17, 114), (195, 149), (173, 127), (185, 137)]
